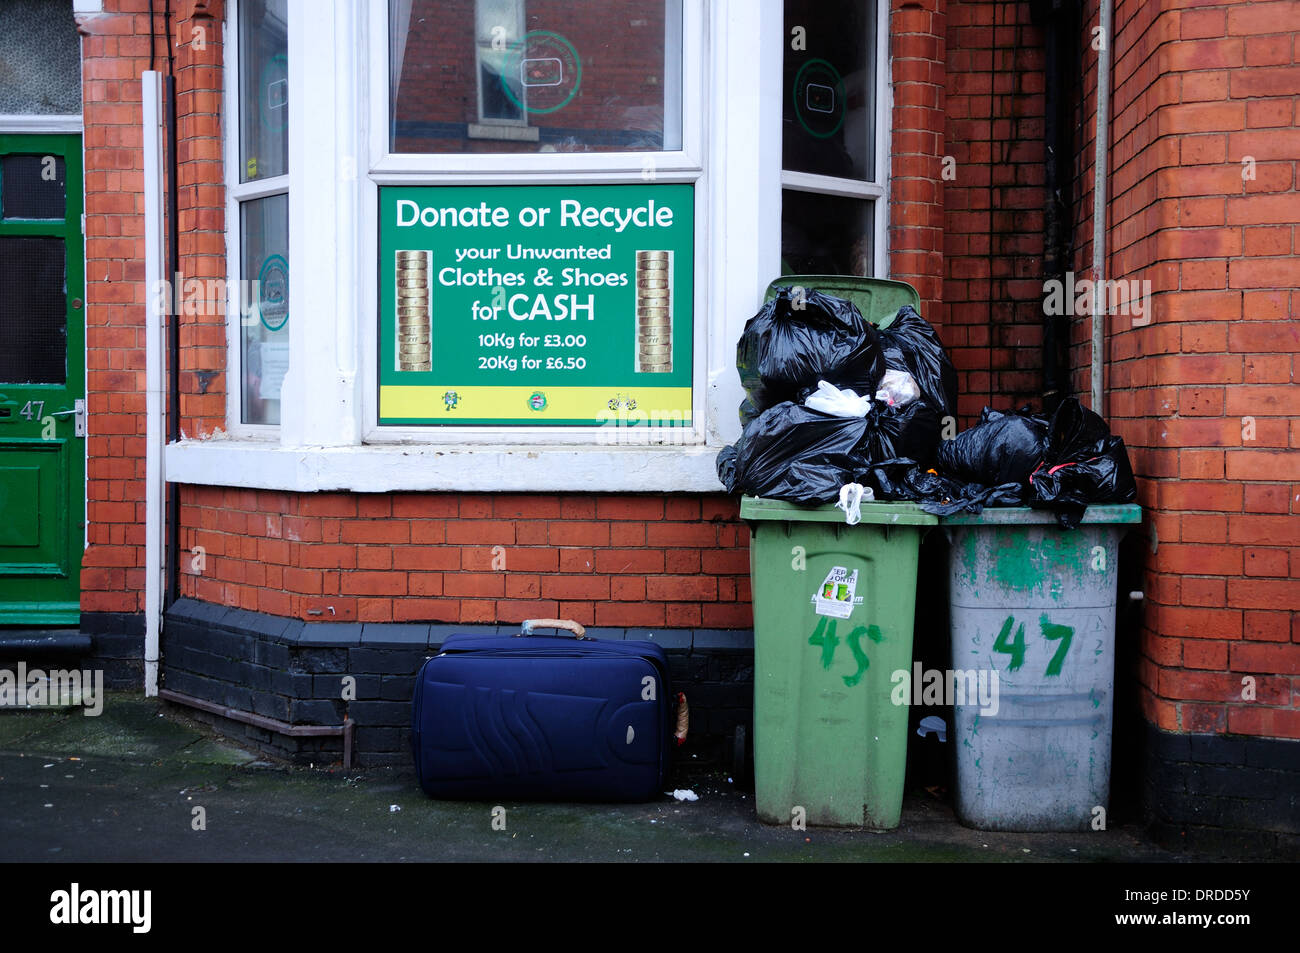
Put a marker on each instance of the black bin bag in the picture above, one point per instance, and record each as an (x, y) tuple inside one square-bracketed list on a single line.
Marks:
[(798, 339), (911, 344), (1001, 448), (1083, 464), (912, 430), (940, 494), (792, 453)]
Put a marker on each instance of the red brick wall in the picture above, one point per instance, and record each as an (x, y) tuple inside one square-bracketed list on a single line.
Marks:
[(916, 42), (112, 49), (1205, 393), (994, 205), (115, 52), (676, 561)]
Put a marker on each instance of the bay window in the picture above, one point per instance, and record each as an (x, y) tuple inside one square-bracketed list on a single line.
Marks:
[(521, 237)]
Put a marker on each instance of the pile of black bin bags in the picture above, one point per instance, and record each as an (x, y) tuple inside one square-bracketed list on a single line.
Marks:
[(789, 451)]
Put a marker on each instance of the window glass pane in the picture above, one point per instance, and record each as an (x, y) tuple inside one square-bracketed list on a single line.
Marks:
[(826, 235), (829, 88), (264, 306), (263, 90), (516, 76), (40, 58), (32, 187), (33, 311)]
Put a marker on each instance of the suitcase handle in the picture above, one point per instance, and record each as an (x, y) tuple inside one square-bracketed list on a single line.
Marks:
[(567, 624)]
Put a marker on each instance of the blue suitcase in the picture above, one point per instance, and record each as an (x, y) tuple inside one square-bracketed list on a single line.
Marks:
[(543, 718)]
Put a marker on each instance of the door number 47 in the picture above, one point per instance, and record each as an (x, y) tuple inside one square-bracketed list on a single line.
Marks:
[(33, 409)]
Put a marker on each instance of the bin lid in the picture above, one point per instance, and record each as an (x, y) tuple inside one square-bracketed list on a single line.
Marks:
[(1022, 515), (878, 299), (874, 513)]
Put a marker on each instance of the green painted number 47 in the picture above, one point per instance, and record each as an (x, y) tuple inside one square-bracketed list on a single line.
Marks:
[(1015, 645)]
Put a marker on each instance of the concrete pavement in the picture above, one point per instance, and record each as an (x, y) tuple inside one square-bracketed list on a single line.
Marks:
[(125, 786)]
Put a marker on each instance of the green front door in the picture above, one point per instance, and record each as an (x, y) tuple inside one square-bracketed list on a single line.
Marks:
[(42, 380)]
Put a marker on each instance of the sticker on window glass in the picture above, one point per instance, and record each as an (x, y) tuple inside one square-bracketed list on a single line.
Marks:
[(838, 593), (275, 364), (548, 67)]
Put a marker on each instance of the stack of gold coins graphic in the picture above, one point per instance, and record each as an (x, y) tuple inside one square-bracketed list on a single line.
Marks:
[(413, 350), (654, 312)]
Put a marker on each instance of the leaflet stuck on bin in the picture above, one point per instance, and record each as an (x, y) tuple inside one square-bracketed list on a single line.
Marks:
[(838, 593)]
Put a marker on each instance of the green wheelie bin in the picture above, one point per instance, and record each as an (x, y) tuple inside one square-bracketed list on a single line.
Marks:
[(833, 614)]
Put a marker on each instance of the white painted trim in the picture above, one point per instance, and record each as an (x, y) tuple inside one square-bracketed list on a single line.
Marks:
[(87, 6), (155, 270), (830, 185), (535, 169), (745, 161), (884, 135), (33, 125), (445, 468), (258, 188), (319, 401)]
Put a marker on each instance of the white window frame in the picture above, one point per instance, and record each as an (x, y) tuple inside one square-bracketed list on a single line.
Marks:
[(876, 189), (237, 193), (522, 121), (328, 437)]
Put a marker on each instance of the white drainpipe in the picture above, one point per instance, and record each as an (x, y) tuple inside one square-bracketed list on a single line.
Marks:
[(156, 305)]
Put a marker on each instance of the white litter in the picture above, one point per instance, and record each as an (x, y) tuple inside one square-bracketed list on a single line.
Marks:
[(683, 794), (898, 388), (394, 808), (829, 399), (851, 497)]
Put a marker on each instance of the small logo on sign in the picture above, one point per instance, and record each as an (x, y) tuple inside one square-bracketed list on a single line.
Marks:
[(537, 401), (451, 399)]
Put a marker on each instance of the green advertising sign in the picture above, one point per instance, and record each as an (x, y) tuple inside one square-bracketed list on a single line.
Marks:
[(536, 305)]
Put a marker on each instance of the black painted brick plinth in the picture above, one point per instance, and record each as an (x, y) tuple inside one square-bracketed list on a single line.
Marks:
[(296, 672), (1223, 794)]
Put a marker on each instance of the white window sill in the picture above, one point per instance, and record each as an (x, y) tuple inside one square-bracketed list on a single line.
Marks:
[(255, 464)]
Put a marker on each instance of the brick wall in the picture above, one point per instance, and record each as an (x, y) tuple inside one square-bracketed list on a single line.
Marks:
[(115, 52), (916, 41), (1204, 394), (675, 561), (994, 203)]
